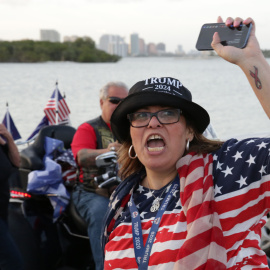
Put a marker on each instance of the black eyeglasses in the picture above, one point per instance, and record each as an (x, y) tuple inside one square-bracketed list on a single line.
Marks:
[(115, 100), (165, 117)]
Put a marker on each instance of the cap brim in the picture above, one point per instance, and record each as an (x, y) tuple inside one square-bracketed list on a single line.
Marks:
[(120, 124)]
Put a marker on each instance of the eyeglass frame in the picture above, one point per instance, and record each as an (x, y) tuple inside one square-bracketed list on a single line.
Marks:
[(114, 100), (156, 115)]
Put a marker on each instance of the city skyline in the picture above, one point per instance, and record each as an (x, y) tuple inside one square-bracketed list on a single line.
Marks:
[(114, 44), (172, 22)]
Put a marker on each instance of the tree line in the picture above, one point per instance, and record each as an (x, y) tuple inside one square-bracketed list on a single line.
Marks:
[(266, 53), (82, 50)]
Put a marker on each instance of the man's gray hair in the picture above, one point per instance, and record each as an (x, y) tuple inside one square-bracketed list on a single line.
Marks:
[(103, 93)]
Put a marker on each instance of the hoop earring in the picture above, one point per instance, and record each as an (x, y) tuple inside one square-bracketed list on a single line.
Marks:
[(129, 153), (187, 145)]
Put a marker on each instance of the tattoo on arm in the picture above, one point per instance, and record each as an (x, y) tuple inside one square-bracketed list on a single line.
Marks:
[(87, 160), (256, 78)]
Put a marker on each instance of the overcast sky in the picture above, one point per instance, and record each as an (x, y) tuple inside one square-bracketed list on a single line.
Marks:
[(174, 22)]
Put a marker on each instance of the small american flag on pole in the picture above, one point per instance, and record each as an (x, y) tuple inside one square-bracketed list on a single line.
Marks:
[(10, 125), (56, 109)]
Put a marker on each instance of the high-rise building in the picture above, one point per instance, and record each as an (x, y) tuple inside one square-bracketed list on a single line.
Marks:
[(49, 35), (113, 44), (161, 48), (179, 50), (151, 49), (142, 47), (134, 45)]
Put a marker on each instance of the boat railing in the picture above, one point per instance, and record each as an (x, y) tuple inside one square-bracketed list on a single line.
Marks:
[(23, 144)]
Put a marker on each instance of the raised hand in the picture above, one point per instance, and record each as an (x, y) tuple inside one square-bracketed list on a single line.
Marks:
[(233, 54)]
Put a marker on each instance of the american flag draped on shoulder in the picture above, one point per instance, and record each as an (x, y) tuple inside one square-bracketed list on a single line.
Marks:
[(203, 247), (56, 112), (228, 189)]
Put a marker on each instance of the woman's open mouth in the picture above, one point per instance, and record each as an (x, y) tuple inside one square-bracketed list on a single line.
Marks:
[(155, 143)]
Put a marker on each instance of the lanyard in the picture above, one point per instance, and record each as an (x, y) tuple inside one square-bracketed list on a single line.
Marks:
[(142, 253)]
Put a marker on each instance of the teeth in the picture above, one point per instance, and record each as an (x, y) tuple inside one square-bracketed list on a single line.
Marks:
[(153, 137), (155, 149), (150, 149)]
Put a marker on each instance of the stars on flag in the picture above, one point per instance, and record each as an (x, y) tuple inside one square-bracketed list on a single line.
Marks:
[(218, 190), (262, 145), (238, 155), (242, 181), (219, 165), (251, 160), (236, 166), (227, 171), (114, 203), (262, 170), (56, 109)]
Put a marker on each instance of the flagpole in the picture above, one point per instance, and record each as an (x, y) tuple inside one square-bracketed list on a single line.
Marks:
[(64, 97), (8, 119), (56, 104)]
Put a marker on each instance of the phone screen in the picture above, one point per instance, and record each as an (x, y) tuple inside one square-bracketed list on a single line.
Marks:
[(229, 36)]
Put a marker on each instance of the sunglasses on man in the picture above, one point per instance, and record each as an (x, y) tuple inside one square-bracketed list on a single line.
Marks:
[(115, 100)]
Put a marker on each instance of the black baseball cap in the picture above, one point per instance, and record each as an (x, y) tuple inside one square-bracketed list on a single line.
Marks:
[(164, 91)]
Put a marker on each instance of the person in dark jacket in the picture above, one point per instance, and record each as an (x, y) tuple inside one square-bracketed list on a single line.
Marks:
[(10, 257)]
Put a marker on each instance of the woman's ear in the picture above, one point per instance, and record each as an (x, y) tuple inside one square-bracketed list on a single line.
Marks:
[(190, 134)]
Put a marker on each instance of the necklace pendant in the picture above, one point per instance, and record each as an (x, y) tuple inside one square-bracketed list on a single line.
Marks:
[(155, 206)]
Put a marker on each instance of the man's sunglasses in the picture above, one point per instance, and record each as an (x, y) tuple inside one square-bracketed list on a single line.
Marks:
[(115, 100)]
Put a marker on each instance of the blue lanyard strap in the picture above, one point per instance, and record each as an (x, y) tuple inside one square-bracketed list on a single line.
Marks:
[(142, 254)]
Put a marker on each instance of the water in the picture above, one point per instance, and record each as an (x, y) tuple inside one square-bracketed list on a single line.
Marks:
[(220, 87)]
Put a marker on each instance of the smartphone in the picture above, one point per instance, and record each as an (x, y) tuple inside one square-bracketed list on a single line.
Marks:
[(229, 35)]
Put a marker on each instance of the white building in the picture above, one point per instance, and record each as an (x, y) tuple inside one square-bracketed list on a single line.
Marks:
[(142, 47), (113, 44), (180, 50), (49, 35), (134, 44)]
